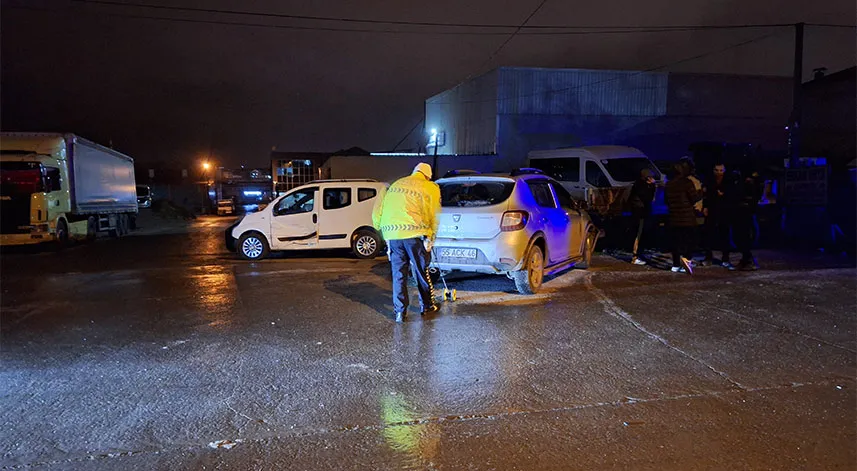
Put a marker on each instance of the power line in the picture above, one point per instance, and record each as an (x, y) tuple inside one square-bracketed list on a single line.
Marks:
[(509, 39), (672, 64), (831, 25), (408, 134), (487, 61), (354, 30), (425, 23)]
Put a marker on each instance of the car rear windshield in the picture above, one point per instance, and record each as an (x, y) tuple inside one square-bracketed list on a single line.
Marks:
[(474, 193), (628, 170)]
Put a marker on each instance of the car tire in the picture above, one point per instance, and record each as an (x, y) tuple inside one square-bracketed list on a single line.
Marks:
[(253, 246), (365, 244), (588, 249), (529, 279)]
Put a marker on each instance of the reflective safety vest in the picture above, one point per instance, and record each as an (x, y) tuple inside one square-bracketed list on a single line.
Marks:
[(409, 208)]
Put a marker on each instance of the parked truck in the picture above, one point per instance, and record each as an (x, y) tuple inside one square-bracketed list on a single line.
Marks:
[(57, 187)]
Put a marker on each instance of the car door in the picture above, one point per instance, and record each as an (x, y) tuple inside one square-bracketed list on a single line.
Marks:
[(294, 220), (553, 220), (336, 220), (576, 221)]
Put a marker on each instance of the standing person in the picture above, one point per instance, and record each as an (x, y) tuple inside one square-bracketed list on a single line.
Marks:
[(690, 171), (640, 201), (680, 195), (748, 194), (407, 217), (718, 208)]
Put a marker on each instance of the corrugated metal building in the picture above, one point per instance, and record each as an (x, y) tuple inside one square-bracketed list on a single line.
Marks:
[(512, 110)]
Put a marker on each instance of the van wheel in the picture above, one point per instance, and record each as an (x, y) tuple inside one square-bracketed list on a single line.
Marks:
[(253, 246), (529, 280), (62, 233), (588, 249), (365, 244)]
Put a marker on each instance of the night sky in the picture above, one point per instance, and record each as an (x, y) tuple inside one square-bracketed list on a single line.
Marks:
[(175, 91)]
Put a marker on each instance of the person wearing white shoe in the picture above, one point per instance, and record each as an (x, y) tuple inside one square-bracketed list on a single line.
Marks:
[(680, 195), (640, 202)]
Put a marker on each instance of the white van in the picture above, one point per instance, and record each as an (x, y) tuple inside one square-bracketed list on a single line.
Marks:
[(599, 175), (324, 214)]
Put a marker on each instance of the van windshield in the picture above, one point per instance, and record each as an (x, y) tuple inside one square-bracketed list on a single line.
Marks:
[(628, 169), (471, 193)]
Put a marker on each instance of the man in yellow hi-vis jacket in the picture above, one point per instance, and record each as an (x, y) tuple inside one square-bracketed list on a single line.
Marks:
[(407, 217)]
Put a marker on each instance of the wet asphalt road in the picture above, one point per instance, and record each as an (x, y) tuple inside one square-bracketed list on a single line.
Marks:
[(146, 352)]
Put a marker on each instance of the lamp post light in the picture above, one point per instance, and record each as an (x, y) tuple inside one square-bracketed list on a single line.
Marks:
[(205, 187), (434, 139)]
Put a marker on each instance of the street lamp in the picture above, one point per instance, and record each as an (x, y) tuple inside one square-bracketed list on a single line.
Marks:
[(205, 184)]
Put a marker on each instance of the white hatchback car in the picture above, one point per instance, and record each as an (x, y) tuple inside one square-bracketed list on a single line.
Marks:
[(325, 214), (524, 225)]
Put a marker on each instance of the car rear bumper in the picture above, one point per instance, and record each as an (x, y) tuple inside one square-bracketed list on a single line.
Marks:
[(500, 254)]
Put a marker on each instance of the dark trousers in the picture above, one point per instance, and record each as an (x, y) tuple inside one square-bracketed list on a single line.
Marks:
[(683, 242), (403, 253), (638, 225), (717, 238), (743, 229)]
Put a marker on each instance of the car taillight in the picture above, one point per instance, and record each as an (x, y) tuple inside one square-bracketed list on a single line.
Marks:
[(514, 220)]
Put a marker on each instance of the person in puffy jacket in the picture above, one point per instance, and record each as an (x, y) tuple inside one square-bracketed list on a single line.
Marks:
[(681, 195), (406, 215)]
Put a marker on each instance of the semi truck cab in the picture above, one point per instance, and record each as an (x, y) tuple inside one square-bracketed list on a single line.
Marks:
[(33, 194)]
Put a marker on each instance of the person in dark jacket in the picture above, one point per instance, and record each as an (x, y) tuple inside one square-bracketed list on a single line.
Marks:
[(748, 194), (640, 203), (681, 195), (718, 208)]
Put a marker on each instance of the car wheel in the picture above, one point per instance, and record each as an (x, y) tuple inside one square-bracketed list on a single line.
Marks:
[(252, 246), (365, 244), (588, 249), (529, 280)]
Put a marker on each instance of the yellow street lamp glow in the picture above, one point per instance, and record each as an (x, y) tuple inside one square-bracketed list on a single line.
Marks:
[(206, 165)]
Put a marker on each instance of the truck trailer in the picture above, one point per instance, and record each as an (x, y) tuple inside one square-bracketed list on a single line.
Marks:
[(59, 187)]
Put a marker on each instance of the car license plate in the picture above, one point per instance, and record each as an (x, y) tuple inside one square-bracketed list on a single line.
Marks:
[(458, 253)]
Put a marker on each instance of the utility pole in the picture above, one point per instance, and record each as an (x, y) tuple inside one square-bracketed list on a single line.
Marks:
[(795, 122), (434, 161)]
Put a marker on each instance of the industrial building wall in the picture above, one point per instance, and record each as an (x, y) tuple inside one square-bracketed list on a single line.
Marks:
[(661, 114), (830, 117), (466, 116), (552, 108)]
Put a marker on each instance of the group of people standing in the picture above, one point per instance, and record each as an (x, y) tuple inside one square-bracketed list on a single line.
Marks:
[(721, 209)]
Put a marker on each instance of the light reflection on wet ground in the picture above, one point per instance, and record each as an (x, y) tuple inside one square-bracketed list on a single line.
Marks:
[(298, 357)]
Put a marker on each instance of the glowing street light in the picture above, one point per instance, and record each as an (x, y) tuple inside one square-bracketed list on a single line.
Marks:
[(206, 165)]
